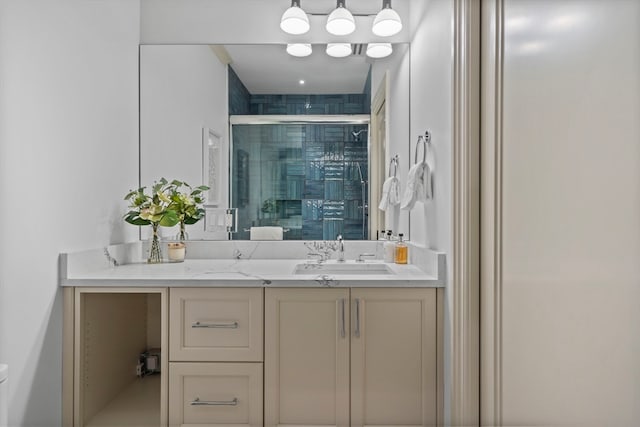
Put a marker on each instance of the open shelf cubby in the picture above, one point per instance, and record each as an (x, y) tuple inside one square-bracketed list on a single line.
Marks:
[(112, 329)]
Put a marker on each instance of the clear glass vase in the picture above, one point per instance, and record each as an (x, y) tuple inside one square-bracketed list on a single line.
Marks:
[(155, 252), (182, 234)]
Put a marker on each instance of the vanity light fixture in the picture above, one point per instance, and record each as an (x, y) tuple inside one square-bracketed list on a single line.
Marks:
[(387, 22), (379, 50), (339, 50), (294, 20), (299, 49), (341, 22)]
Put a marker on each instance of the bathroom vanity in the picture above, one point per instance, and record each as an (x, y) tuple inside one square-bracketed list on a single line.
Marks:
[(252, 342)]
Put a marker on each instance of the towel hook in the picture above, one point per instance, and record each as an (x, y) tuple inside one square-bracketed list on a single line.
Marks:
[(394, 163), (425, 142)]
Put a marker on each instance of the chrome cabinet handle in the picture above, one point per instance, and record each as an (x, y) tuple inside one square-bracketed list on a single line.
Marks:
[(343, 332), (357, 331), (198, 402), (233, 325)]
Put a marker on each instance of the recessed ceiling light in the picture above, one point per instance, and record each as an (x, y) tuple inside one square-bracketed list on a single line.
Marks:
[(387, 22), (339, 50), (294, 20), (341, 22), (299, 49), (379, 50), (301, 82)]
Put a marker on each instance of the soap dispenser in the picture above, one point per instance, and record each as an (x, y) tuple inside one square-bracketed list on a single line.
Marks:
[(402, 251), (389, 248)]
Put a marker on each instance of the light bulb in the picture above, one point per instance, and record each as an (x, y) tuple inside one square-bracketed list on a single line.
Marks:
[(299, 49), (387, 22), (294, 20), (339, 50), (341, 22), (379, 50)]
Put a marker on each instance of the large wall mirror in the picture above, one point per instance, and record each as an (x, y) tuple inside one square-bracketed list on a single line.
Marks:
[(300, 144)]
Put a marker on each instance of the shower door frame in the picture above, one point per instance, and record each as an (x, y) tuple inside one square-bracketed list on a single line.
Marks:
[(303, 119)]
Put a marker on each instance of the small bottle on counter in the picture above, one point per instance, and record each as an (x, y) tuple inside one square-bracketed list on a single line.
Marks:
[(389, 248), (381, 235), (402, 251)]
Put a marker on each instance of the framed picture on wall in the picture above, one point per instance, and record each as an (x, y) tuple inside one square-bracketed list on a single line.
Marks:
[(211, 166)]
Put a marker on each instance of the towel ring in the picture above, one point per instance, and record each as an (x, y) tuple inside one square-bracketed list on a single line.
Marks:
[(425, 142), (394, 163)]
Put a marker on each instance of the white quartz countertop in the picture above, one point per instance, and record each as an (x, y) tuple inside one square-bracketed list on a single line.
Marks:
[(212, 264), (254, 272)]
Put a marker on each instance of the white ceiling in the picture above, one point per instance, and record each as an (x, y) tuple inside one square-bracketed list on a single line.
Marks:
[(269, 69)]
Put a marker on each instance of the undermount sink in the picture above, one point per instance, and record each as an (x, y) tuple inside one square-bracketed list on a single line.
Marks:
[(355, 268)]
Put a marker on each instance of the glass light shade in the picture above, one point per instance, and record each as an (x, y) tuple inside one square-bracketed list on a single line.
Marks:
[(379, 50), (294, 21), (339, 50), (387, 23), (299, 49), (341, 22)]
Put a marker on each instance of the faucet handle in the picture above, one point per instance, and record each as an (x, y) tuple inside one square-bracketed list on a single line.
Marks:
[(364, 255)]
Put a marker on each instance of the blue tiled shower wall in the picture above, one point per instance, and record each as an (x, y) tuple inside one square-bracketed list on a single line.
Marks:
[(303, 177), (241, 102)]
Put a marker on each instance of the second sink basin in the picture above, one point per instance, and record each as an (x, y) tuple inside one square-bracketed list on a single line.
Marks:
[(352, 268)]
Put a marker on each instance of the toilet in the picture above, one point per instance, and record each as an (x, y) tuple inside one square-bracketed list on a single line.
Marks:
[(4, 373)]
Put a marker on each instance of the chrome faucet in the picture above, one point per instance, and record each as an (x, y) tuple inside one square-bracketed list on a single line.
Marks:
[(340, 248)]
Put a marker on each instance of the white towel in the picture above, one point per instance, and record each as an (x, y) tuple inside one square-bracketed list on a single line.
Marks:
[(265, 233), (390, 193), (423, 187), (418, 186)]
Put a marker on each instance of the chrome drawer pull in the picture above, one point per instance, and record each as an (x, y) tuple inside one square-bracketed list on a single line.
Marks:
[(233, 325), (343, 332), (198, 402), (357, 331)]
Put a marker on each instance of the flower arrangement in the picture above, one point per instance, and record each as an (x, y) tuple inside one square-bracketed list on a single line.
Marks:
[(187, 203), (166, 206)]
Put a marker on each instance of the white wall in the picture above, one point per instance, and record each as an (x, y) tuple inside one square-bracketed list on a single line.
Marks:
[(183, 89), (431, 109), (68, 154), (569, 265)]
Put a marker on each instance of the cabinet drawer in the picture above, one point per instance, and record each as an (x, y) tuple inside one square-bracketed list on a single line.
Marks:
[(215, 394), (216, 325)]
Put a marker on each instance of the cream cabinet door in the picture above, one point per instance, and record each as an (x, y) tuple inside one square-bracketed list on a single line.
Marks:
[(215, 324), (215, 394), (306, 357), (393, 357)]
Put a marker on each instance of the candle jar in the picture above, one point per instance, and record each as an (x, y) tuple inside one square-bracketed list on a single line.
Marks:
[(176, 251)]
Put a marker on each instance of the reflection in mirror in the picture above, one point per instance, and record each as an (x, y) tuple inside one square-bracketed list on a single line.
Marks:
[(295, 144), (309, 178)]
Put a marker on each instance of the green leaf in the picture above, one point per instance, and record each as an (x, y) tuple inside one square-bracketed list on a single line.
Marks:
[(169, 219)]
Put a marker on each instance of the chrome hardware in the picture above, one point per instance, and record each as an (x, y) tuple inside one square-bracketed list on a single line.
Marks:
[(363, 255), (340, 248), (198, 402), (233, 325), (357, 330), (343, 332)]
